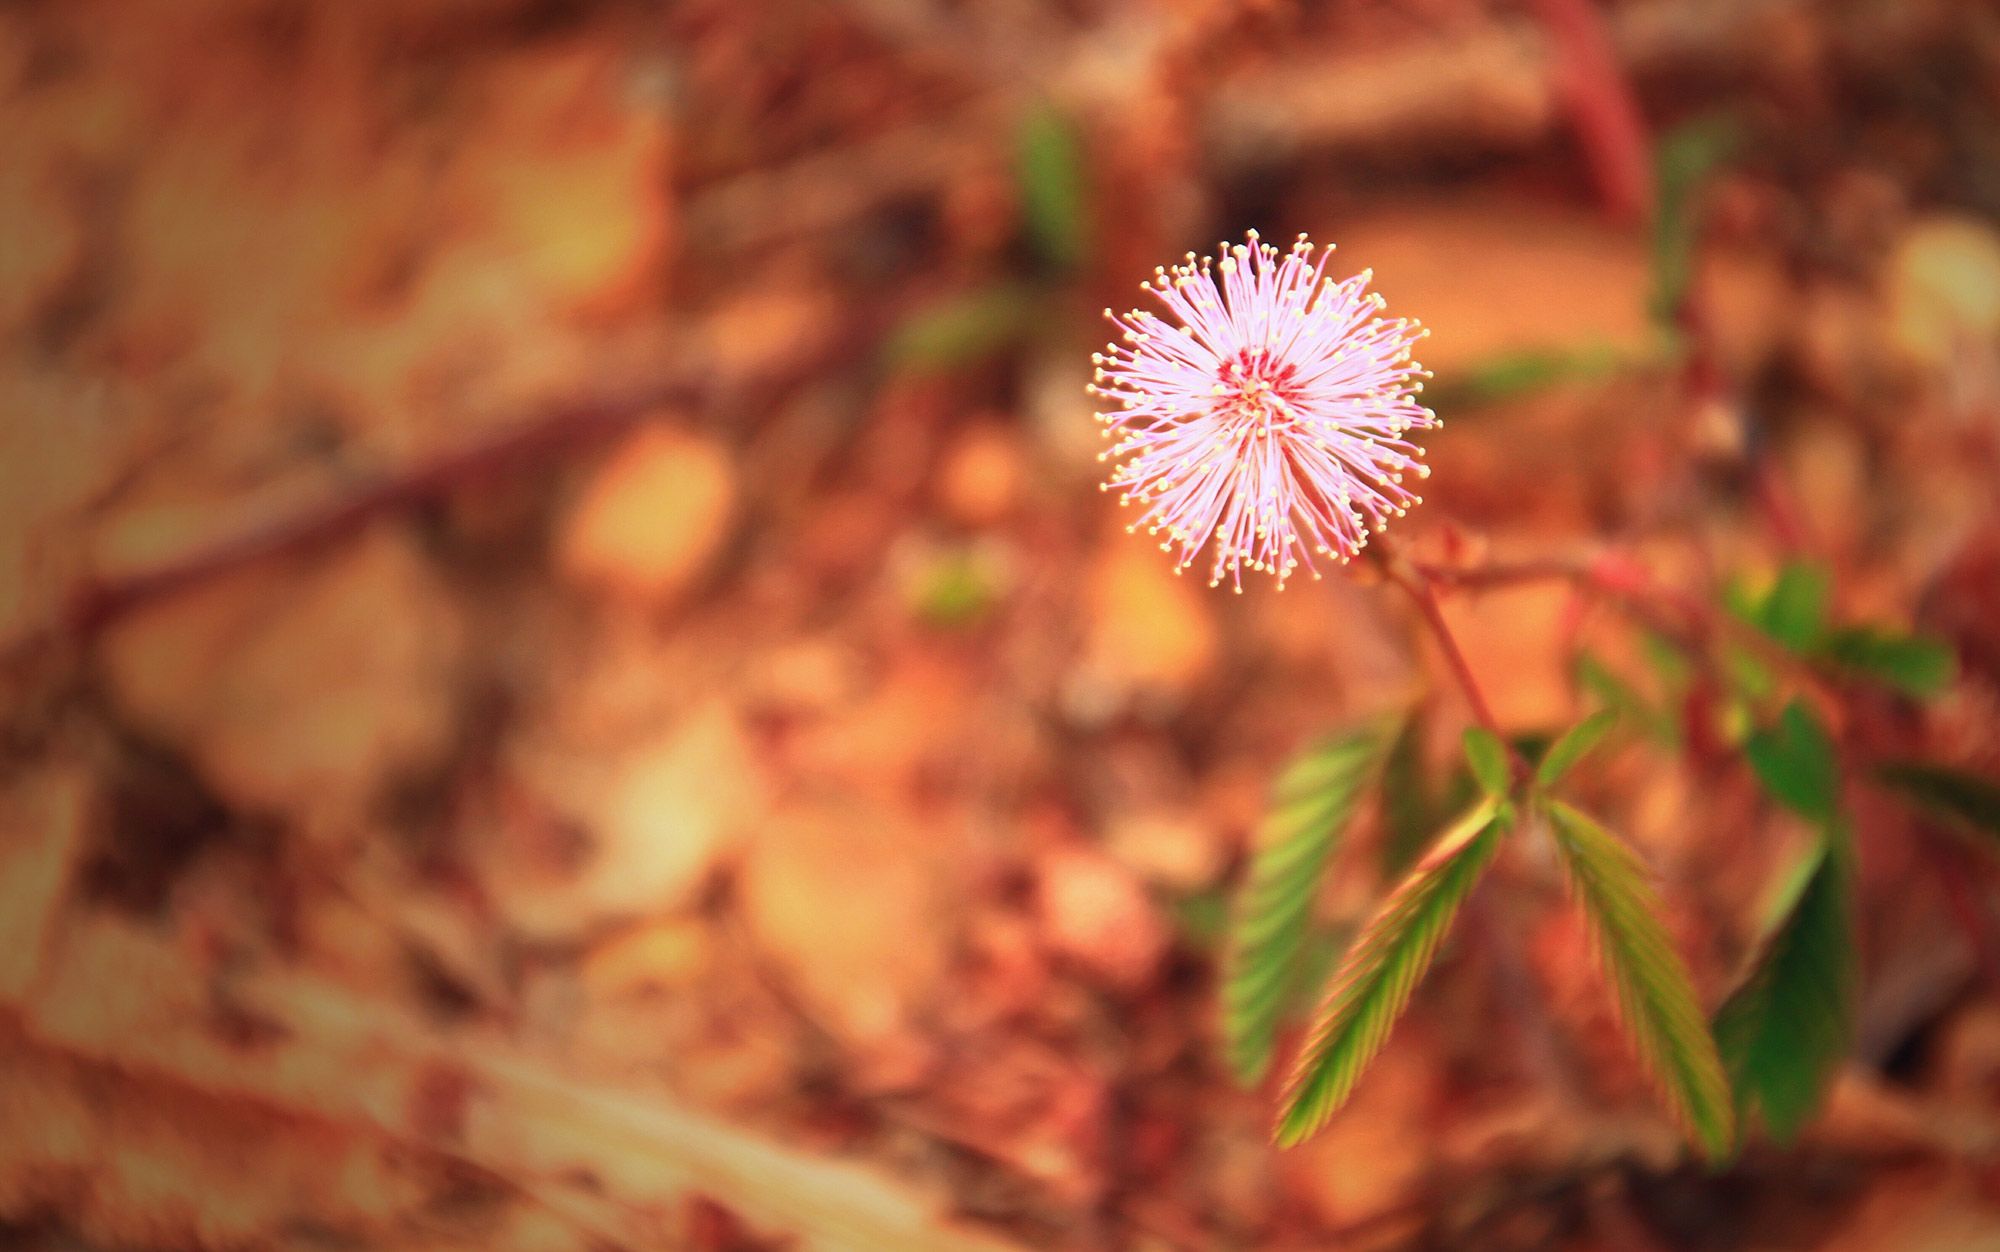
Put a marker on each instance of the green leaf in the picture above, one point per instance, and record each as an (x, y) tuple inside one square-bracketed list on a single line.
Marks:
[(1376, 978), (1670, 664), (1969, 800), (1054, 197), (1794, 613), (1911, 664), (1574, 745), (961, 329), (1786, 1029), (1784, 1032), (1783, 895), (1487, 757), (1685, 157), (1740, 601), (1310, 806), (1627, 700), (1513, 374), (1795, 762), (1203, 918), (1748, 675), (955, 588), (1655, 995), (1408, 808)]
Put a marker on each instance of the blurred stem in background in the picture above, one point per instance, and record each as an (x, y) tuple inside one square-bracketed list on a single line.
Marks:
[(1602, 108)]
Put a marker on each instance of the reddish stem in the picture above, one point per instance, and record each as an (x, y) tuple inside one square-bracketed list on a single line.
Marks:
[(98, 604), (1418, 586), (94, 606), (1501, 573), (1601, 106)]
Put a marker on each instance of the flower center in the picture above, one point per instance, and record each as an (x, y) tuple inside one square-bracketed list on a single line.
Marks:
[(1254, 394)]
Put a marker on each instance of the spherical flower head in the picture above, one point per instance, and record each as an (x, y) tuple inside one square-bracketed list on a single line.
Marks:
[(1268, 413)]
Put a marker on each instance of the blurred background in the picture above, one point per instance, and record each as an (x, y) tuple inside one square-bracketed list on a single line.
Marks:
[(568, 684)]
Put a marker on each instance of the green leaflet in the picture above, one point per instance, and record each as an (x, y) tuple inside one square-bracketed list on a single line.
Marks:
[(1655, 995), (1203, 918), (1795, 762), (1784, 1032), (1911, 664), (1377, 976), (1795, 611), (1511, 374), (1573, 746), (1616, 693), (1408, 808), (955, 588), (1684, 159), (961, 329), (1967, 799), (1310, 806), (1487, 757), (1054, 198)]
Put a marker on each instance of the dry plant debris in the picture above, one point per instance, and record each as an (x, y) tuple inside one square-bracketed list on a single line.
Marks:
[(564, 683)]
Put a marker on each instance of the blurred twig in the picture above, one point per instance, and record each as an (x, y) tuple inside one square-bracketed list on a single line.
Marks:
[(95, 605), (1602, 107), (820, 191), (1498, 81), (575, 1145)]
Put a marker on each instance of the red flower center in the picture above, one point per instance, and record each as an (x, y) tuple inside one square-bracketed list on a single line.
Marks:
[(1256, 394)]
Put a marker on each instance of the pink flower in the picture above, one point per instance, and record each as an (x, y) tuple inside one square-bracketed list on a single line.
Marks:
[(1269, 415)]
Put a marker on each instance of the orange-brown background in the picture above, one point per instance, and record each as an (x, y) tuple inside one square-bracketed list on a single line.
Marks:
[(568, 683)]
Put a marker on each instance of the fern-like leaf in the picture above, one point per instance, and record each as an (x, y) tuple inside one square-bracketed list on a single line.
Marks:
[(1784, 1033), (1656, 998), (1373, 985), (1575, 744), (1310, 806)]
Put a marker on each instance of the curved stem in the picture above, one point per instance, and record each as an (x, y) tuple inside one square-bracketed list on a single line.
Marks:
[(1418, 586), (1602, 107)]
